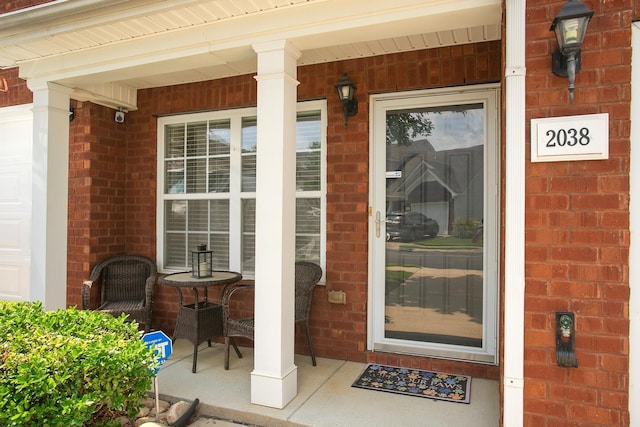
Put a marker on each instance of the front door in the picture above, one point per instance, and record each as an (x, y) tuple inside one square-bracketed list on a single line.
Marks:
[(434, 223)]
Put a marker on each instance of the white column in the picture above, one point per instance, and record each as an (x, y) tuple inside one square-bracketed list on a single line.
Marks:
[(513, 396), (274, 380), (49, 194)]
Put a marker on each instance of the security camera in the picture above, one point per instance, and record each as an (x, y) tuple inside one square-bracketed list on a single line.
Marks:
[(119, 117)]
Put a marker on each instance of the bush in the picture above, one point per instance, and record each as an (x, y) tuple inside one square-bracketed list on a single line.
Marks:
[(69, 367), (464, 227)]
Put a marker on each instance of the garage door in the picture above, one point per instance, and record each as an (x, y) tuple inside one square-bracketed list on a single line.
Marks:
[(15, 201)]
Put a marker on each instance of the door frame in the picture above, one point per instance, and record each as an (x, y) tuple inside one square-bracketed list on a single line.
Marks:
[(489, 95)]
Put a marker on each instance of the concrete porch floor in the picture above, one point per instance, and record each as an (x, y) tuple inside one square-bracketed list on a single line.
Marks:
[(325, 396)]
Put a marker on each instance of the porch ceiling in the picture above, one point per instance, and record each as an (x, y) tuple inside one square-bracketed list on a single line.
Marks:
[(107, 49)]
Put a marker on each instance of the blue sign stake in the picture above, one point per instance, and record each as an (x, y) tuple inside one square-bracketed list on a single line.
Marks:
[(163, 348)]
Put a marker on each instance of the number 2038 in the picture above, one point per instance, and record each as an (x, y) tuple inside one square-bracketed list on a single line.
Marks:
[(570, 137)]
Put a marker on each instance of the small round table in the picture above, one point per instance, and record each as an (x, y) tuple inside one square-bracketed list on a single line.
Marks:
[(199, 321)]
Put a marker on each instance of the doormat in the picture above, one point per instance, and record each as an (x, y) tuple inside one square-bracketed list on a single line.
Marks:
[(415, 382)]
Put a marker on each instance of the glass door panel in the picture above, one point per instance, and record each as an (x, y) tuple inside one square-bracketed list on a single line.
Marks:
[(437, 293), (434, 213)]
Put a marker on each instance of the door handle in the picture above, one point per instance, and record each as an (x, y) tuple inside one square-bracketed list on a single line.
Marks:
[(378, 222)]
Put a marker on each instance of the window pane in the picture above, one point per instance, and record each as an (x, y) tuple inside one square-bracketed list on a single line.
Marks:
[(174, 177), (308, 229), (175, 251), (307, 216), (174, 149), (308, 249), (174, 141), (197, 139), (220, 247), (248, 235), (308, 151), (175, 222), (249, 150), (308, 171), (219, 151), (175, 215), (198, 215), (196, 175), (219, 175), (219, 137), (219, 236), (220, 216)]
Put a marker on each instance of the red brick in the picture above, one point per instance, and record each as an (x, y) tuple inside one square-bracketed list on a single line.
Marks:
[(562, 392), (613, 399), (546, 407), (536, 389)]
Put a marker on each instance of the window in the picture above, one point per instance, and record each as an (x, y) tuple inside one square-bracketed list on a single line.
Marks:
[(207, 184)]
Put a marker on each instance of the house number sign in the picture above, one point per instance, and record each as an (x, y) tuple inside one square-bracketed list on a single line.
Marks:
[(570, 138)]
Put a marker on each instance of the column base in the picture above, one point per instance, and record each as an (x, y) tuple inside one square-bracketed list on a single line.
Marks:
[(274, 391)]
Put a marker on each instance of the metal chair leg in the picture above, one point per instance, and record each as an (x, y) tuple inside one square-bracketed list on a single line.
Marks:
[(313, 356)]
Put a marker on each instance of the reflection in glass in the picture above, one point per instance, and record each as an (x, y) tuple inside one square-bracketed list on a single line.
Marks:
[(249, 152), (249, 235), (435, 205), (308, 229)]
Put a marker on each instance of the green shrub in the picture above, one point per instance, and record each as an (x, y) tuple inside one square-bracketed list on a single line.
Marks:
[(464, 227), (69, 367)]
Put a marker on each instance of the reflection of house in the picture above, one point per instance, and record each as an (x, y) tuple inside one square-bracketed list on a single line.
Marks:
[(443, 184)]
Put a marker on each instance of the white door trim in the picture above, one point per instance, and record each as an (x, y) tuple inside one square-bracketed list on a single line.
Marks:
[(514, 242)]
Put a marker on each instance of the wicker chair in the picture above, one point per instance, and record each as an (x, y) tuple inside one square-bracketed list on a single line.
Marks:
[(127, 284), (307, 275)]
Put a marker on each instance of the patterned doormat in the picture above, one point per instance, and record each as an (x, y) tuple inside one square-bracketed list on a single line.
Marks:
[(415, 382)]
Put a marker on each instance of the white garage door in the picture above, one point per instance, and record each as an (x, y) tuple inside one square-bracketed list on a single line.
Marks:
[(15, 201)]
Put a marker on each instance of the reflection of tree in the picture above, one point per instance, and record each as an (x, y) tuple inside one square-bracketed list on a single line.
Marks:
[(403, 128), (252, 149)]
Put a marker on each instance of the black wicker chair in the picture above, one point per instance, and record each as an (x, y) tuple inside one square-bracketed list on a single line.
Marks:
[(126, 286), (307, 275)]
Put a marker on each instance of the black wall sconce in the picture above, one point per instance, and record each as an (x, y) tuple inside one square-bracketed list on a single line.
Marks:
[(565, 339), (570, 26), (72, 113), (346, 90)]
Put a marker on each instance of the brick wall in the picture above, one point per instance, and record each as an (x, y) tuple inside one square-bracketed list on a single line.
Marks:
[(13, 5), (577, 225), (97, 187), (16, 92), (339, 331)]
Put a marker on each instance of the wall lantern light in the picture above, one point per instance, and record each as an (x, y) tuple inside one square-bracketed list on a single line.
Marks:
[(569, 25), (345, 90)]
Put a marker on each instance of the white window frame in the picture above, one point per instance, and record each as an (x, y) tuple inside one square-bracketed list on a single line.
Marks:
[(235, 194)]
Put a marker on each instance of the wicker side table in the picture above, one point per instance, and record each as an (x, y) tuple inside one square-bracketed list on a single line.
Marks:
[(201, 320)]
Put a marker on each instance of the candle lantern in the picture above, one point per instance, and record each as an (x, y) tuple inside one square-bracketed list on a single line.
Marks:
[(201, 262)]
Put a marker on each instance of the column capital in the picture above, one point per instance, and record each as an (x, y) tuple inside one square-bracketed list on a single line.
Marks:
[(277, 45), (40, 85)]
